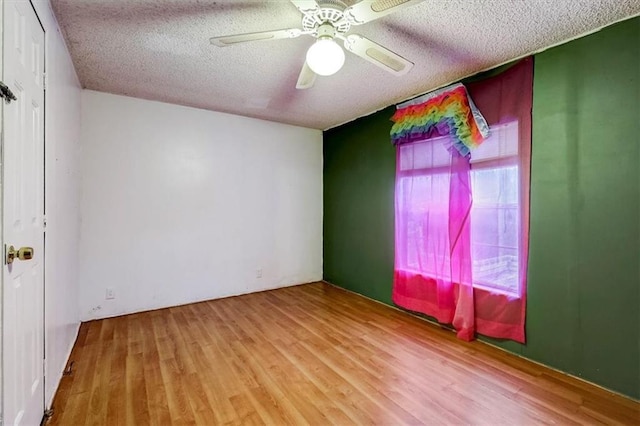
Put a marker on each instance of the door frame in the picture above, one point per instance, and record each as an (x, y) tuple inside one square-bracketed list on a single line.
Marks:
[(44, 208), (2, 5)]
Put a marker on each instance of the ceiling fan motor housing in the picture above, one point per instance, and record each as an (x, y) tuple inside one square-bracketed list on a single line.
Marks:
[(328, 14), (326, 30)]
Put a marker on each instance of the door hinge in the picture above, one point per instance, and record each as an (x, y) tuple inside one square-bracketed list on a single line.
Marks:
[(44, 223), (45, 80)]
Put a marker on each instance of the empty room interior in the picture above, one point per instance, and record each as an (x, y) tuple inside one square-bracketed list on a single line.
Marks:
[(320, 212)]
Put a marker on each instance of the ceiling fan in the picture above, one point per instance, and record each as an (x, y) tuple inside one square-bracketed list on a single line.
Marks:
[(328, 20)]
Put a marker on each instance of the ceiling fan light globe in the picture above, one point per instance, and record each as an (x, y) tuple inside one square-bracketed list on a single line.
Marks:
[(325, 57)]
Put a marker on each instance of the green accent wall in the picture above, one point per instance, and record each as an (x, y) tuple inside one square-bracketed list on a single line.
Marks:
[(584, 259)]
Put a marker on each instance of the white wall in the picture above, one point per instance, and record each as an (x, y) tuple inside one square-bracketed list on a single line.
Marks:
[(181, 205), (62, 142)]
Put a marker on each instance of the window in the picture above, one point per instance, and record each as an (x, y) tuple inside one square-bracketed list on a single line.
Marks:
[(495, 213), (462, 224)]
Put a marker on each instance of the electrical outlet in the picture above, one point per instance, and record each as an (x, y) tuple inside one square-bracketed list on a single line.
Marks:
[(259, 273), (110, 294)]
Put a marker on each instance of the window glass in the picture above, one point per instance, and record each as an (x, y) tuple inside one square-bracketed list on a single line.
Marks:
[(494, 227)]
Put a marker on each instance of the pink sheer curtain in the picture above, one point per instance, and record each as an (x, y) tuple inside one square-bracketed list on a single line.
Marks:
[(461, 258), (433, 207)]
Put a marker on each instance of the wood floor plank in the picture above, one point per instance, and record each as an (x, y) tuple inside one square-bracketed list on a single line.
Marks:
[(310, 354), (98, 400), (245, 410)]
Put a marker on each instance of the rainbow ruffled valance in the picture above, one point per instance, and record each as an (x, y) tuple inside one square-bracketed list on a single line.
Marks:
[(446, 111)]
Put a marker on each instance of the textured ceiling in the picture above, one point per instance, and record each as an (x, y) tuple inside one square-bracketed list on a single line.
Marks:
[(160, 50)]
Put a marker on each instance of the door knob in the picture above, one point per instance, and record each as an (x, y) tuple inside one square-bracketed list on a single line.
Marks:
[(23, 253)]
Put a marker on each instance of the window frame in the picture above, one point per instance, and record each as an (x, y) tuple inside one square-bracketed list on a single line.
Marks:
[(491, 163)]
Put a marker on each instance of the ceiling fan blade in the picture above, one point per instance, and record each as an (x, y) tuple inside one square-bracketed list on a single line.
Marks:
[(263, 35), (376, 54), (307, 78), (306, 6), (368, 10)]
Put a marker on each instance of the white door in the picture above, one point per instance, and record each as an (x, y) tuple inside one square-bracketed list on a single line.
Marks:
[(23, 201)]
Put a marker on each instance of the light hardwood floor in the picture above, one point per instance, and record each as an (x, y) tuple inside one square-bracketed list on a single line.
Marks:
[(311, 354)]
